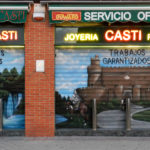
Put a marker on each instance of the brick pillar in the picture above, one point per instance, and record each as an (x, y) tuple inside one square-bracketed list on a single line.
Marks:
[(39, 87)]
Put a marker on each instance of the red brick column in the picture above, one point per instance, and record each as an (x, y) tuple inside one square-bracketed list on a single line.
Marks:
[(39, 87)]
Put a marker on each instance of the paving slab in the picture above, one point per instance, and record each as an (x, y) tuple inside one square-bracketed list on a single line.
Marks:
[(75, 143)]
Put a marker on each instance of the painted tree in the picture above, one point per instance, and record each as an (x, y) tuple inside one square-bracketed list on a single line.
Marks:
[(14, 73)]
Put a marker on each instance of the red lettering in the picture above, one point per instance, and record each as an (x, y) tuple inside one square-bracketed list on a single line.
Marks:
[(9, 35), (140, 35), (6, 15), (5, 35), (118, 36), (2, 15), (16, 35), (109, 35), (134, 35), (125, 35), (13, 16)]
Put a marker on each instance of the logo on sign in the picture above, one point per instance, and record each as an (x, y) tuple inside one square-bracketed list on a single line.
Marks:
[(8, 35), (116, 16), (125, 35), (81, 37), (66, 16)]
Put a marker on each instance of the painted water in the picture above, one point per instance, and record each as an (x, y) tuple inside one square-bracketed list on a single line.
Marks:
[(9, 106), (10, 119), (60, 119), (17, 121), (14, 122)]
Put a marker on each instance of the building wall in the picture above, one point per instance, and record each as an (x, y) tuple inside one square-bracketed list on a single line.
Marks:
[(107, 83), (39, 87)]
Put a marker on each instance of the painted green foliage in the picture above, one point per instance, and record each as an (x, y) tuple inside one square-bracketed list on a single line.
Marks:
[(10, 82)]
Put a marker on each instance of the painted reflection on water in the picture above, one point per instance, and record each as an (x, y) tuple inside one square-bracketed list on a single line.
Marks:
[(12, 119)]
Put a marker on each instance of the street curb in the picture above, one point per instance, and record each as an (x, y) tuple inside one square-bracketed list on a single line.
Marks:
[(12, 133), (89, 132)]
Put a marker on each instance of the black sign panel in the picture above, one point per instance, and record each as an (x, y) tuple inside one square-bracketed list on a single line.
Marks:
[(11, 35), (103, 35)]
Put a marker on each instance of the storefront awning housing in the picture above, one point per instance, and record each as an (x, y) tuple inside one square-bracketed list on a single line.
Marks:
[(98, 13), (14, 13)]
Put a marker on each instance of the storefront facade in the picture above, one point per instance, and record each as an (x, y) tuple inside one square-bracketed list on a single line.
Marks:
[(26, 91), (12, 77), (12, 66), (102, 53), (56, 57)]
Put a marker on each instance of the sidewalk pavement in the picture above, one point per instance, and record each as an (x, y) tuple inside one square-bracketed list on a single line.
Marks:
[(75, 143)]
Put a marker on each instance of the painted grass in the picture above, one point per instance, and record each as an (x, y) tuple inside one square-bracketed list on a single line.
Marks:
[(142, 116)]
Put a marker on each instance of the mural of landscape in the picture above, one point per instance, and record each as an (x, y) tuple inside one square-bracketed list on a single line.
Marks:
[(12, 88), (107, 75)]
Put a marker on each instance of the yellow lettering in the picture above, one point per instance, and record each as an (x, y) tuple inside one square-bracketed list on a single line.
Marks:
[(88, 37), (95, 37), (148, 36), (81, 37)]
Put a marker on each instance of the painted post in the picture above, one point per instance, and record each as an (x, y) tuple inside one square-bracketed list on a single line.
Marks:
[(128, 115), (94, 114), (1, 115)]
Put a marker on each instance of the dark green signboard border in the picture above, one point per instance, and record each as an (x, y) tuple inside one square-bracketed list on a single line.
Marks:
[(137, 13), (13, 16), (14, 13)]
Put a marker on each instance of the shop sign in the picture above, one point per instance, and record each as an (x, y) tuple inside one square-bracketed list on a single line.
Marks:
[(11, 35), (7, 35), (102, 35), (66, 16), (113, 16), (81, 37), (100, 16), (14, 16), (124, 35)]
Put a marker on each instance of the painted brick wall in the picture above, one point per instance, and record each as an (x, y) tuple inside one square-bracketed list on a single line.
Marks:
[(39, 87)]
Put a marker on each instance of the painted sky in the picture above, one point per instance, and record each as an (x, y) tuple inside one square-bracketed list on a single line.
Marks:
[(71, 66), (12, 58)]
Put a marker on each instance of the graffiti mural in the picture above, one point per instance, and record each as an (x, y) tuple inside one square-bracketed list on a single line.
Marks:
[(108, 75), (12, 88)]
